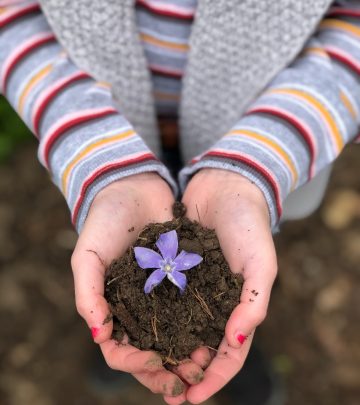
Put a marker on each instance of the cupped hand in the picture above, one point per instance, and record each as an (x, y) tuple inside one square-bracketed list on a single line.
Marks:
[(117, 215), (237, 210)]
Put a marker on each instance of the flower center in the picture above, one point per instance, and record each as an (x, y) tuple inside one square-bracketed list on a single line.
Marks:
[(167, 268)]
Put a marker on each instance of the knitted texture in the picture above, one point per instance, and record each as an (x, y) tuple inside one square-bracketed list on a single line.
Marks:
[(237, 47), (102, 39)]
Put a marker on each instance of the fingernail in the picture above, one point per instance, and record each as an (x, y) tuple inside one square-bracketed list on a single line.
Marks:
[(177, 389), (240, 338), (196, 378), (94, 332), (154, 364)]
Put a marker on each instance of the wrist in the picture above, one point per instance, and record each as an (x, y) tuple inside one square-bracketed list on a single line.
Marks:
[(150, 182), (143, 191), (224, 184)]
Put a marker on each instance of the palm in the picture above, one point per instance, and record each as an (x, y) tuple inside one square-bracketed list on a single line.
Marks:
[(115, 219), (237, 211)]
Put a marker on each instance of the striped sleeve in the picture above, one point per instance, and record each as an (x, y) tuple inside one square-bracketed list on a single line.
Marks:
[(303, 120), (84, 141)]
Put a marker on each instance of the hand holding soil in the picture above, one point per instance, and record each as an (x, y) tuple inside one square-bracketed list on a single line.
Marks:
[(219, 200), (237, 210), (116, 217)]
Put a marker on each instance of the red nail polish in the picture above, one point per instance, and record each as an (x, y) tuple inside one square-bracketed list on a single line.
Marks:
[(241, 338), (95, 332)]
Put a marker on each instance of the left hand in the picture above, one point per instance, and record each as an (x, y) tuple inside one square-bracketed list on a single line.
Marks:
[(118, 213), (237, 210)]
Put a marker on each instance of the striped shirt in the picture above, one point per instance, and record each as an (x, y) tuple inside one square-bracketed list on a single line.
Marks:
[(164, 28), (295, 128)]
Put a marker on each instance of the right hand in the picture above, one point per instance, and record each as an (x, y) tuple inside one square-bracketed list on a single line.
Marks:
[(129, 203)]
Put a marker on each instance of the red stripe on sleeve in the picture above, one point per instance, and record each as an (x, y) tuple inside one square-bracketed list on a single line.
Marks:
[(298, 125), (50, 94), (346, 12), (158, 70), (8, 18), (167, 12), (78, 119), (262, 170), (22, 52), (345, 59), (103, 170)]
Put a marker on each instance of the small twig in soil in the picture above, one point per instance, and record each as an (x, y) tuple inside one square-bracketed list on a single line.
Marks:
[(168, 358), (211, 348), (202, 302), (112, 280), (127, 321), (154, 320), (98, 256), (219, 295), (191, 313)]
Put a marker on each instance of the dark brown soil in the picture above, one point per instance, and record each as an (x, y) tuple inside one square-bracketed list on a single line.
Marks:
[(167, 321)]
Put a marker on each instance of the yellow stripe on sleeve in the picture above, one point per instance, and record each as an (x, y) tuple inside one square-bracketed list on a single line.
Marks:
[(340, 25), (348, 105), (86, 151), (316, 51), (31, 84), (274, 146), (164, 44), (318, 106)]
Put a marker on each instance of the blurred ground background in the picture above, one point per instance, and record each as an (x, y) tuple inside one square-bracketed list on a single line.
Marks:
[(311, 335)]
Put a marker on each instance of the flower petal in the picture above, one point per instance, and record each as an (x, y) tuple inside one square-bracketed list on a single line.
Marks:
[(147, 258), (178, 279), (155, 278), (186, 261), (168, 244)]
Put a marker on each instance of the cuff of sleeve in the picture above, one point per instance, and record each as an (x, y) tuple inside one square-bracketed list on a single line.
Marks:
[(251, 173), (108, 175)]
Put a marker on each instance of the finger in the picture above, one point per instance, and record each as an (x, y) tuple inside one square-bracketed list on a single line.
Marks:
[(180, 399), (201, 356), (162, 382), (129, 359), (259, 275), (249, 251), (189, 372), (252, 309), (88, 274), (226, 364), (103, 238)]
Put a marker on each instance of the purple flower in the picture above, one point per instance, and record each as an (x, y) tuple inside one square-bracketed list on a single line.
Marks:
[(167, 264)]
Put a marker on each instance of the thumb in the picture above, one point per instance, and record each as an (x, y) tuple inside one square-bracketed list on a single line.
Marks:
[(253, 255), (103, 238), (88, 271), (252, 309)]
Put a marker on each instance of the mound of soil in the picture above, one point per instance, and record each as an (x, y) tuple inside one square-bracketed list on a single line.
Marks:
[(166, 321)]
